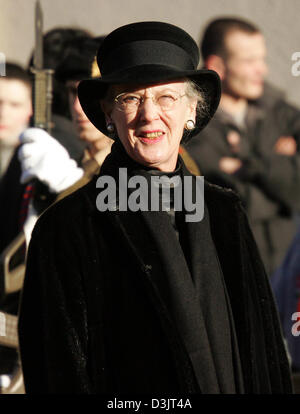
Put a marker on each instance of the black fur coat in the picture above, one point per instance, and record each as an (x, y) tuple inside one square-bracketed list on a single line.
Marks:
[(95, 316)]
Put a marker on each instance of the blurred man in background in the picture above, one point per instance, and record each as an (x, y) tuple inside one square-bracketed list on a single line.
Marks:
[(15, 110), (252, 144), (44, 159), (78, 64)]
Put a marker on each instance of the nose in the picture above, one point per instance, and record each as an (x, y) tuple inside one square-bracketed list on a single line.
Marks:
[(262, 67), (148, 110), (4, 111)]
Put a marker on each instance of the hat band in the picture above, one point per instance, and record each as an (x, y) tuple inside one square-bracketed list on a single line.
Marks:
[(144, 52)]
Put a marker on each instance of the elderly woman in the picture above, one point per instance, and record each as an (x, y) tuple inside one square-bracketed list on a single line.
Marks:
[(122, 296)]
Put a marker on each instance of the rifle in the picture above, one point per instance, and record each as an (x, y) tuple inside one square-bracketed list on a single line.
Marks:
[(42, 90)]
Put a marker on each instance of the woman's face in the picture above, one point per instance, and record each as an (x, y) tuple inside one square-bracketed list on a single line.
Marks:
[(150, 132)]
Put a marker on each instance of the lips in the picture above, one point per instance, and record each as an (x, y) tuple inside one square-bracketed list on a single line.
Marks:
[(151, 135)]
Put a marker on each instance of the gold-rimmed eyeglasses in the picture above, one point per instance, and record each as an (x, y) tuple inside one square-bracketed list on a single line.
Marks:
[(130, 102)]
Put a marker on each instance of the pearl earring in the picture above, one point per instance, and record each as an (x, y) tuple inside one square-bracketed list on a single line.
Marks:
[(110, 127), (190, 124)]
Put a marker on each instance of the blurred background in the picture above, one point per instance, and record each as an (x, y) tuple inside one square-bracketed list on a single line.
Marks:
[(278, 19)]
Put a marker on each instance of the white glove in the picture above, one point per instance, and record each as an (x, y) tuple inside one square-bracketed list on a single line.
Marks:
[(44, 158)]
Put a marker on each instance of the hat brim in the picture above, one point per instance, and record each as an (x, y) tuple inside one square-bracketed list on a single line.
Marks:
[(91, 91)]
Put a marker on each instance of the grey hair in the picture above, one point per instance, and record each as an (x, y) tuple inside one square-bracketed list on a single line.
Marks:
[(194, 91)]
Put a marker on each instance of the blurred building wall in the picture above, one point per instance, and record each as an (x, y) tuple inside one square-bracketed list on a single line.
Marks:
[(278, 19)]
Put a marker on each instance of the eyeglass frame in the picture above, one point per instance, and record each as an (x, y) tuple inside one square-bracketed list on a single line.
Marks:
[(142, 100)]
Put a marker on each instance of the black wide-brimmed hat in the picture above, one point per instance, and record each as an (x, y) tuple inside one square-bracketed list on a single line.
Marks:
[(148, 53)]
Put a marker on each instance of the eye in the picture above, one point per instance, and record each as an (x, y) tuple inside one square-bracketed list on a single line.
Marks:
[(130, 99), (166, 99)]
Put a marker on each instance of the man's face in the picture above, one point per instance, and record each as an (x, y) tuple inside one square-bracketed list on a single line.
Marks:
[(15, 109), (245, 66), (85, 129)]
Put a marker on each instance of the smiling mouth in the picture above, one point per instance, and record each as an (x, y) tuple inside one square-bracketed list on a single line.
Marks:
[(152, 135)]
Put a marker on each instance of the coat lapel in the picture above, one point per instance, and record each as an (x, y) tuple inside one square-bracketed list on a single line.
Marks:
[(153, 242)]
